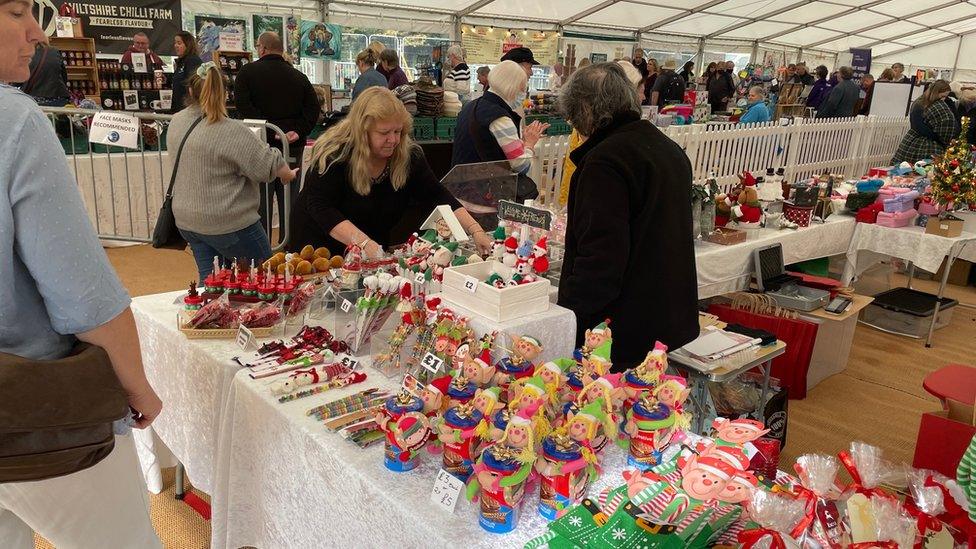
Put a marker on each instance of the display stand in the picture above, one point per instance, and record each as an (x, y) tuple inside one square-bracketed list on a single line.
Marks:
[(230, 63), (79, 59), (792, 101), (835, 336)]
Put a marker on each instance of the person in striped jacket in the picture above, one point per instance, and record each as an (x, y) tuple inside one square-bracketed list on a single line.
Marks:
[(459, 79)]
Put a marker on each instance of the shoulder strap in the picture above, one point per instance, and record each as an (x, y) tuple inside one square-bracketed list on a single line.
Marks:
[(176, 163)]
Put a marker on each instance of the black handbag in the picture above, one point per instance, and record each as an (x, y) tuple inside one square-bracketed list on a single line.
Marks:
[(57, 415), (165, 233)]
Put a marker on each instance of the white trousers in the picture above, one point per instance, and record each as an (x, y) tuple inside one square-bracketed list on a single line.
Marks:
[(102, 506)]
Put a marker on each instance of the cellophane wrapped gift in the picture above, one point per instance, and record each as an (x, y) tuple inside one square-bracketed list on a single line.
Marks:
[(774, 518), (868, 470), (895, 527), (260, 315), (216, 314), (822, 525)]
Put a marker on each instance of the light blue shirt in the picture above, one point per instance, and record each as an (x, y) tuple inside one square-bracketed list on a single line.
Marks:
[(367, 80), (757, 112), (55, 280)]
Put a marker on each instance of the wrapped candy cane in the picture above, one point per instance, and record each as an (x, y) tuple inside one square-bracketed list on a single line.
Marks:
[(301, 299), (776, 516), (217, 313), (260, 315)]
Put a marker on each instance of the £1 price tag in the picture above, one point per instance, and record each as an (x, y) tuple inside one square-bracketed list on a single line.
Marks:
[(471, 284), (446, 490), (432, 362), (346, 305), (348, 361), (244, 337), (420, 278)]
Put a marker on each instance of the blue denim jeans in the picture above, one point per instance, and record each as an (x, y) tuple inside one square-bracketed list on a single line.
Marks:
[(248, 243)]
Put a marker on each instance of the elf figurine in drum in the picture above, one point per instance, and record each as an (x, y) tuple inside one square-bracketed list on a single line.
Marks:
[(406, 428), (520, 363), (593, 427), (594, 338), (553, 374), (673, 392), (479, 370), (434, 396), (737, 432), (597, 364)]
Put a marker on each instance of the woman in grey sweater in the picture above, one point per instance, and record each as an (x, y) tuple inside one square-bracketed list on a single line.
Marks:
[(216, 195)]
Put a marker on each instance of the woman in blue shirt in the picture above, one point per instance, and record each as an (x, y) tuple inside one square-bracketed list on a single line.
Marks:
[(56, 288), (756, 111)]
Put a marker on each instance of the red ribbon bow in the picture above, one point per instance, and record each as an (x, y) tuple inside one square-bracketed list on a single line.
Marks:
[(856, 483), (748, 538), (810, 509), (873, 545)]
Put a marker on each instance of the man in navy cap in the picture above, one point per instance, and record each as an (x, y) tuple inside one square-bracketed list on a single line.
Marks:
[(522, 56)]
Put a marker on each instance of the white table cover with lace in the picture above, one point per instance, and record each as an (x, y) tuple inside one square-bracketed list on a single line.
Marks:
[(871, 243)]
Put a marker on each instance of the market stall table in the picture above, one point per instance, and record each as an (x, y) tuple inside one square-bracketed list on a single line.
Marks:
[(871, 243), (724, 269), (729, 369), (835, 336)]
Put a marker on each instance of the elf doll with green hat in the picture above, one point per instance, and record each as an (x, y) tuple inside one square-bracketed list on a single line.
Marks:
[(591, 425), (595, 337), (519, 363), (531, 394)]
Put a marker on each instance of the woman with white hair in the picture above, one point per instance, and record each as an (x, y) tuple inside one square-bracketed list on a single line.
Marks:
[(488, 127), (628, 238), (459, 79), (756, 109)]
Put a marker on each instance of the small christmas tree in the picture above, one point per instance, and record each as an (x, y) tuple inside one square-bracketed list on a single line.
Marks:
[(953, 174)]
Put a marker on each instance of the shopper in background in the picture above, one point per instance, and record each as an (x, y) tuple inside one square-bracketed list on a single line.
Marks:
[(488, 127), (867, 85), (653, 70), (708, 74), (756, 110), (216, 196), (365, 171), (687, 71), (967, 108), (720, 89), (59, 289), (187, 62), (458, 80), (272, 89), (627, 244), (389, 67), (140, 44), (669, 86), (640, 63), (899, 73), (790, 72), (820, 88), (48, 78), (801, 76), (887, 75), (932, 126), (483, 78), (730, 67), (556, 76), (368, 75), (842, 99), (525, 58)]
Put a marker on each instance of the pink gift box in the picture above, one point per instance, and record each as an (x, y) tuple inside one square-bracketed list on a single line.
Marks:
[(896, 219), (887, 193), (901, 202), (929, 208)]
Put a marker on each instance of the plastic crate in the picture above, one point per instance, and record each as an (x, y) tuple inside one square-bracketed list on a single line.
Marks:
[(530, 118), (558, 126), (423, 128), (446, 127), (907, 312)]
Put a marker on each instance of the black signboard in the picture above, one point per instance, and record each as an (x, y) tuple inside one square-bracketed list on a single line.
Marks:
[(113, 22), (527, 215)]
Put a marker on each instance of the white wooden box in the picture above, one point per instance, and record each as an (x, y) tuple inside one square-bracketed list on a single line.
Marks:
[(499, 305)]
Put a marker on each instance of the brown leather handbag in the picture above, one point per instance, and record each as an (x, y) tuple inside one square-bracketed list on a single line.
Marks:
[(56, 415)]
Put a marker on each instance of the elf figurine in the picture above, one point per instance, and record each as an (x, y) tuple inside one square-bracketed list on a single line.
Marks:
[(406, 428), (487, 401), (565, 474), (539, 258), (746, 210), (519, 363), (593, 427), (737, 432), (457, 433), (593, 339), (673, 392), (434, 396), (646, 376), (479, 370), (597, 364), (532, 395)]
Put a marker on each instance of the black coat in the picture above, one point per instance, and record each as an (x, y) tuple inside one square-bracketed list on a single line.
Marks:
[(271, 89), (185, 67), (630, 255)]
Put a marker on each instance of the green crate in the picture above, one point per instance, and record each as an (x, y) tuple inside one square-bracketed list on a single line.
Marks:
[(423, 128), (446, 128), (558, 126), (530, 118)]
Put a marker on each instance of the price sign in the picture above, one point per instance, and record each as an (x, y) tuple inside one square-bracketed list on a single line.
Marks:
[(348, 361), (420, 278), (244, 337), (346, 305), (411, 385), (432, 362), (527, 215), (471, 284), (446, 490)]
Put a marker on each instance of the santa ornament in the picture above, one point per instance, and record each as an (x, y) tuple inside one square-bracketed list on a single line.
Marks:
[(540, 259)]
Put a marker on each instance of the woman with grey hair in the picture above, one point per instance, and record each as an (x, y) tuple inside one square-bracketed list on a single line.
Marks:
[(459, 79), (629, 249)]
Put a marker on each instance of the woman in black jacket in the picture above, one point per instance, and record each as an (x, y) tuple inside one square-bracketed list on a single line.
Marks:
[(187, 62), (721, 88), (630, 254)]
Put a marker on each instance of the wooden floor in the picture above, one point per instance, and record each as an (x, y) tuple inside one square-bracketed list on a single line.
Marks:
[(878, 399)]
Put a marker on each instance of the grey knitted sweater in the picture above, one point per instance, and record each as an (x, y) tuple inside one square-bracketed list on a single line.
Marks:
[(216, 189)]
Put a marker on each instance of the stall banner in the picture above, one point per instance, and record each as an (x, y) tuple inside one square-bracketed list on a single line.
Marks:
[(484, 46), (266, 22), (320, 40), (111, 23), (208, 29), (860, 62)]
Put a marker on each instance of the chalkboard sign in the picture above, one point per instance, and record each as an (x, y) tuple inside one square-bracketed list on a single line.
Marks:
[(527, 215)]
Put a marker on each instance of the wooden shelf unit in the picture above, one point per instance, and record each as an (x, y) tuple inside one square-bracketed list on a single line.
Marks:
[(80, 72)]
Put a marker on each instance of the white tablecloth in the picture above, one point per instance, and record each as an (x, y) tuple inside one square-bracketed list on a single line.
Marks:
[(872, 243), (724, 269)]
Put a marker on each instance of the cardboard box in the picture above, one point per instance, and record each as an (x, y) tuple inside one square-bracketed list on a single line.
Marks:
[(949, 228), (958, 274)]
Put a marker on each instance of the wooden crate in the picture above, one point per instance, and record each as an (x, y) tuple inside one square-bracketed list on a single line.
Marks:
[(499, 305), (80, 72)]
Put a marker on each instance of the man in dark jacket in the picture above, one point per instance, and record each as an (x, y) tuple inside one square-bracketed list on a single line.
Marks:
[(721, 88), (271, 89), (802, 76), (842, 98), (630, 254)]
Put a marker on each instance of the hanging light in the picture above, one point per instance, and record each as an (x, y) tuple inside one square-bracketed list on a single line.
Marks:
[(491, 29), (525, 31)]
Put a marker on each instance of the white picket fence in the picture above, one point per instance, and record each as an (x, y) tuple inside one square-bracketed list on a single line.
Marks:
[(848, 146)]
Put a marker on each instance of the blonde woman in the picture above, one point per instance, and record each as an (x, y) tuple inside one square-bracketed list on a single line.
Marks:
[(368, 75), (364, 172), (216, 194)]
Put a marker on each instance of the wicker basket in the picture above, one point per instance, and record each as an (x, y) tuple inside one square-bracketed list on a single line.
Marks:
[(726, 236), (183, 318)]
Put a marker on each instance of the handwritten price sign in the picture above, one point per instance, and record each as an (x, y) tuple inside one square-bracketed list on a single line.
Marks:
[(527, 215), (446, 490)]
